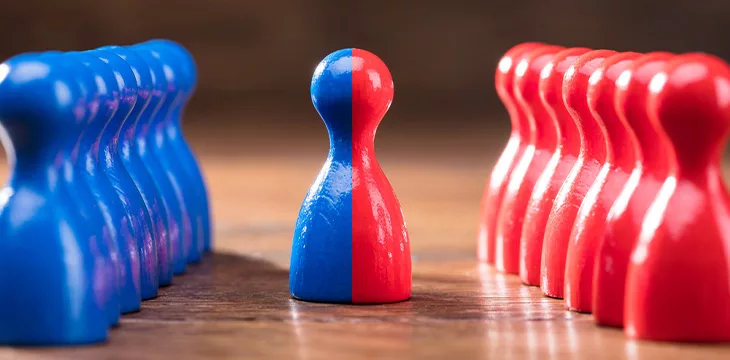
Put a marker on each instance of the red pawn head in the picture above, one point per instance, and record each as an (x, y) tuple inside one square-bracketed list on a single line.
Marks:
[(691, 102), (372, 90), (504, 79)]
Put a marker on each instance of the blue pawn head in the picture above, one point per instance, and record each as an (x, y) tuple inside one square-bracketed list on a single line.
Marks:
[(107, 87), (126, 81), (180, 59), (93, 77), (39, 100), (351, 89), (138, 66), (164, 64), (158, 84)]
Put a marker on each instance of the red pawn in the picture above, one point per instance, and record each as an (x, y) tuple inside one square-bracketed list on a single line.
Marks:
[(584, 172), (494, 190), (620, 160), (625, 217), (540, 147), (556, 170), (678, 283)]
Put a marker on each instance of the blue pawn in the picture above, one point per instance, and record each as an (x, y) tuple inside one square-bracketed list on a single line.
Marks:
[(164, 148), (130, 229), (89, 211), (148, 143), (182, 151), (167, 227), (48, 258), (129, 195)]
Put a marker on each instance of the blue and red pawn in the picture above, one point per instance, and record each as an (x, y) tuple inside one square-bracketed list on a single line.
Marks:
[(350, 242)]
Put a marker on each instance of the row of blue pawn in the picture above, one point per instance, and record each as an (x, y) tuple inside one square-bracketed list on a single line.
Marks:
[(105, 201)]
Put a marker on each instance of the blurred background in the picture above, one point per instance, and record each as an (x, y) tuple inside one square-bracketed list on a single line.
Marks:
[(256, 59), (442, 53)]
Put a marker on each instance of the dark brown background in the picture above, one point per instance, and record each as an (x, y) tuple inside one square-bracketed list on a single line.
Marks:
[(442, 53)]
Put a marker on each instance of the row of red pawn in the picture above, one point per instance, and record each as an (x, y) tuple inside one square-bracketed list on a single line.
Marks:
[(609, 193)]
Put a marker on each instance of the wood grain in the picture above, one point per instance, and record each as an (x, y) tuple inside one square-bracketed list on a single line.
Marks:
[(236, 304)]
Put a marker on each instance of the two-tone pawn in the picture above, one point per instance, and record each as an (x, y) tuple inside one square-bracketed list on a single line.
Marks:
[(350, 241)]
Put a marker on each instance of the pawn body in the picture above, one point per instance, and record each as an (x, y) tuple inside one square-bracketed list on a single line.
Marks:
[(678, 282), (350, 241)]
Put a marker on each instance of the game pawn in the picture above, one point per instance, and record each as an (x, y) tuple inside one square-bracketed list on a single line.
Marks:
[(540, 148), (557, 169), (623, 223), (54, 290), (133, 233), (582, 176), (350, 241), (590, 224), (187, 190), (494, 190), (678, 282), (150, 148), (179, 146)]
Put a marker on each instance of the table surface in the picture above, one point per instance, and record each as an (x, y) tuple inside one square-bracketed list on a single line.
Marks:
[(236, 303)]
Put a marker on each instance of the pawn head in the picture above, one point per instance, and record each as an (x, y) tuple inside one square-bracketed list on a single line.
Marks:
[(39, 97), (158, 80), (551, 77), (183, 60), (690, 101), (139, 68), (632, 87), (576, 79), (602, 85), (126, 85), (504, 77), (170, 62), (527, 75), (352, 89), (125, 78)]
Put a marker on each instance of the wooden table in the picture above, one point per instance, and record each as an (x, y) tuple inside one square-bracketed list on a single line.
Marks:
[(236, 304)]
